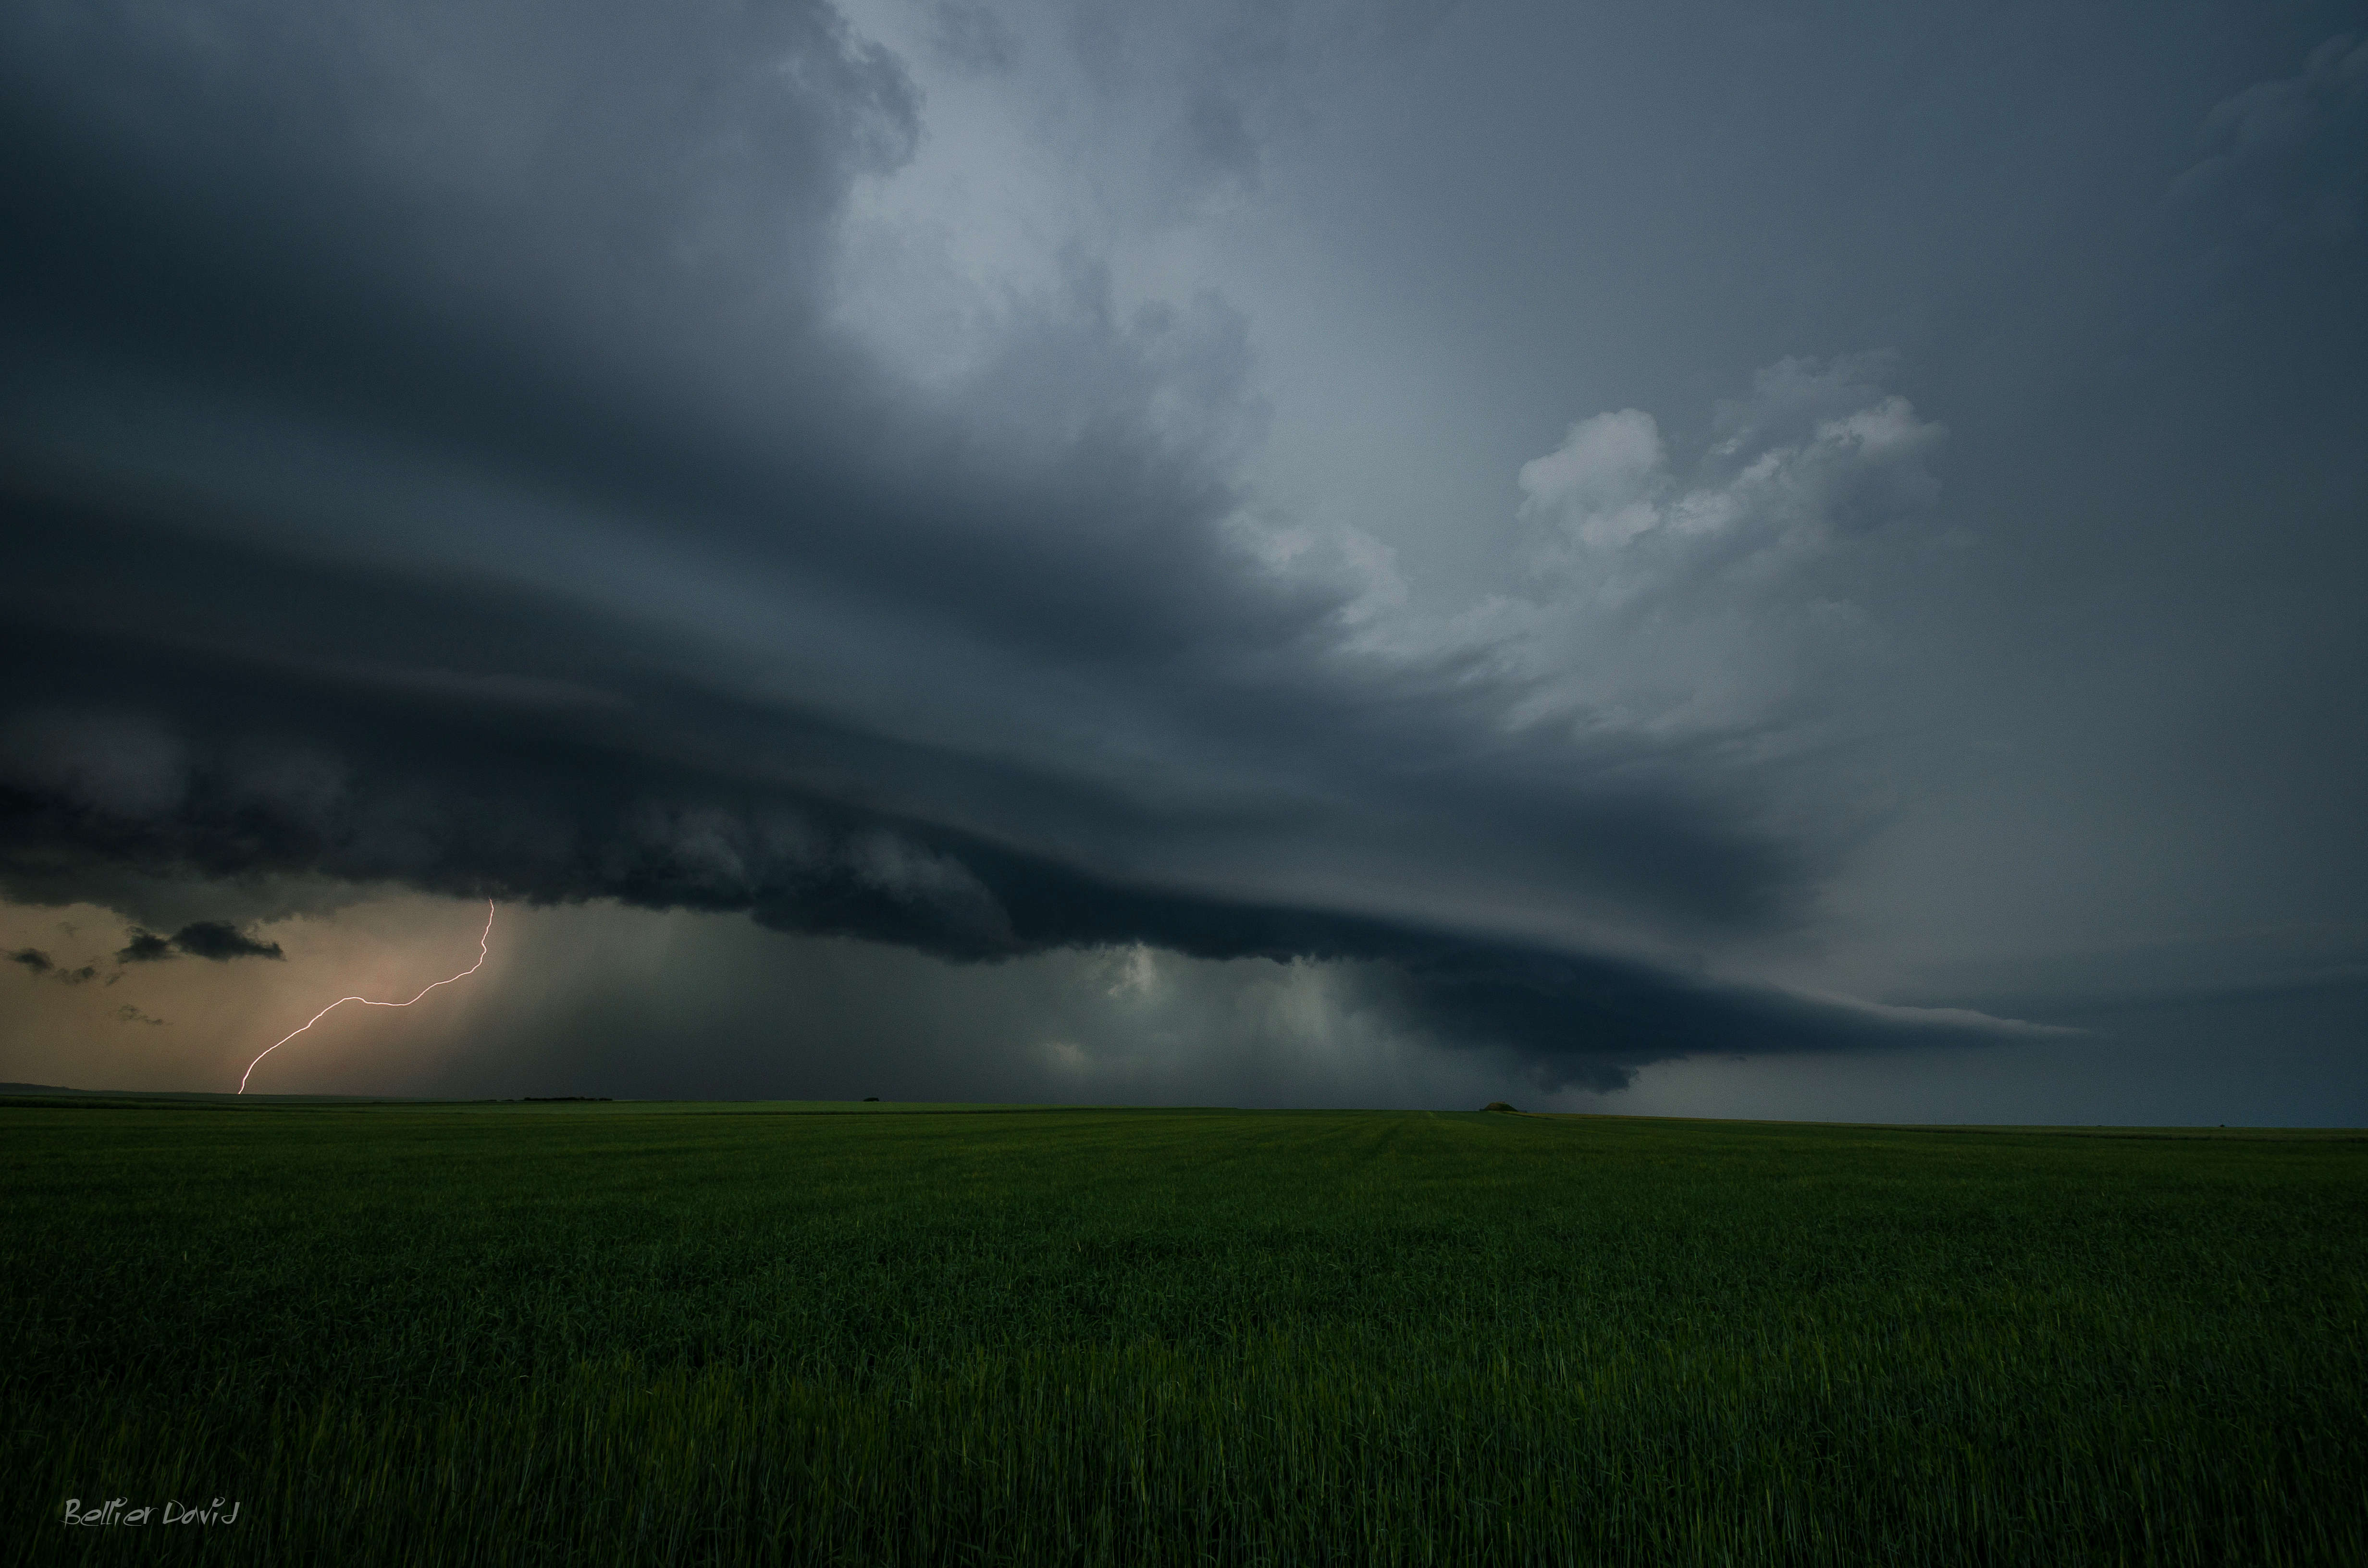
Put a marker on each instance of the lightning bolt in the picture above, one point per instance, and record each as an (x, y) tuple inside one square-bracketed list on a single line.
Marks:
[(366, 1002)]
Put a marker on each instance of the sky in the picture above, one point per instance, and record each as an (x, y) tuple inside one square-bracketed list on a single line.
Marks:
[(1688, 559)]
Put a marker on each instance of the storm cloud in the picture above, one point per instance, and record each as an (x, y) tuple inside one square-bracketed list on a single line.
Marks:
[(463, 454), (39, 963), (215, 939)]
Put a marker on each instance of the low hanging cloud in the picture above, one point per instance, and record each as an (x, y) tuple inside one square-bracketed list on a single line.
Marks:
[(221, 941), (146, 947), (35, 961), (215, 939), (546, 828)]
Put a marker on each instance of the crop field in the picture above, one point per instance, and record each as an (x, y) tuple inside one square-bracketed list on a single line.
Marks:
[(888, 1335)]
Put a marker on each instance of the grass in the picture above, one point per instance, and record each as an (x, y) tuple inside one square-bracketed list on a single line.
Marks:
[(595, 1332)]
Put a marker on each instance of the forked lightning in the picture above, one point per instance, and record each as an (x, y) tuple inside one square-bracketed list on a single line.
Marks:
[(366, 1002)]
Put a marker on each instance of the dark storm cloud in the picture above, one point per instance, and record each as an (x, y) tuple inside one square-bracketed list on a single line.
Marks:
[(40, 964), (221, 941), (432, 470), (146, 947), (515, 809)]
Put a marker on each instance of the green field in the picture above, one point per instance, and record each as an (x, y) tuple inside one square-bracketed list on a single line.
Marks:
[(594, 1333)]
